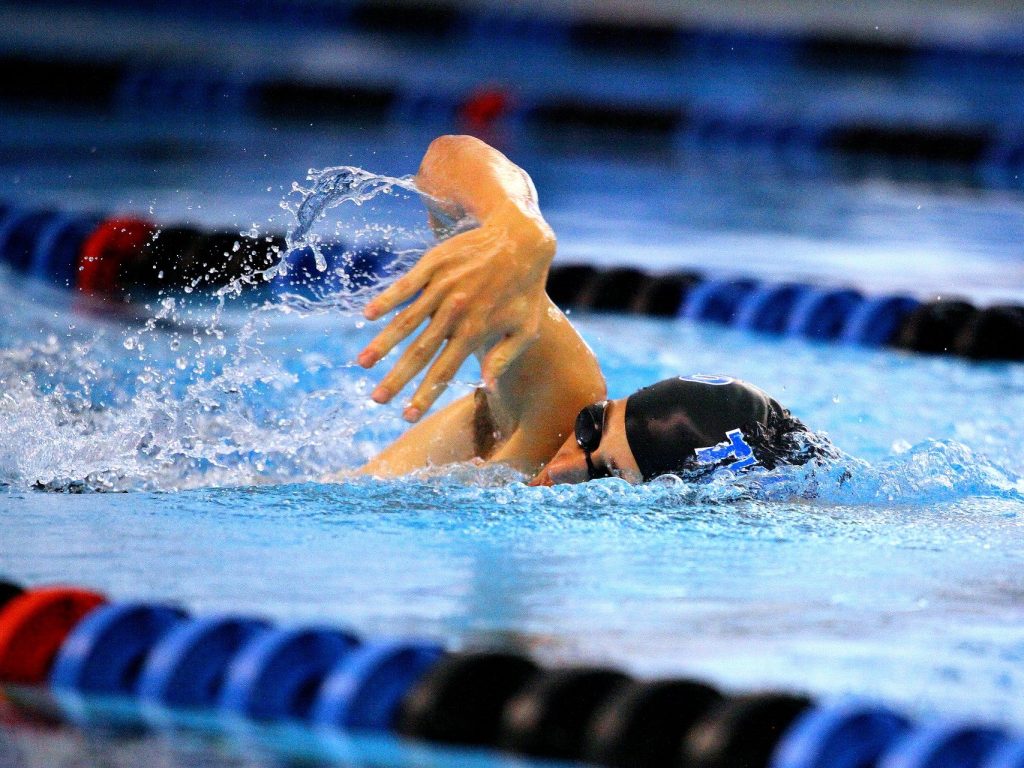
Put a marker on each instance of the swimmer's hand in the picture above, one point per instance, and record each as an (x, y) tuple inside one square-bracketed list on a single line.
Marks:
[(482, 290)]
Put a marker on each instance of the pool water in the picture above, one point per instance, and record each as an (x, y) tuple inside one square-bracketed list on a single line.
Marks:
[(895, 572)]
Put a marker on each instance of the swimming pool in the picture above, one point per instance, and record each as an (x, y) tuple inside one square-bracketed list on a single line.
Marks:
[(901, 582)]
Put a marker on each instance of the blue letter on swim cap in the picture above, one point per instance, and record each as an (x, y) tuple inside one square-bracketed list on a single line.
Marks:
[(736, 448)]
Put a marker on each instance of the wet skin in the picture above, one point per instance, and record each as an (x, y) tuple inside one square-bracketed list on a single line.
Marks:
[(569, 464)]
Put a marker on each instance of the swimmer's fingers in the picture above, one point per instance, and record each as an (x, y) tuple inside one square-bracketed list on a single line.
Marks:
[(420, 352), (502, 354), (405, 287), (401, 325), (438, 378), (399, 291)]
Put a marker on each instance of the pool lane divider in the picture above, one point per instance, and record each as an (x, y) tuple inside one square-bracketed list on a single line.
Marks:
[(153, 664), (796, 310), (990, 151), (132, 259), (631, 40)]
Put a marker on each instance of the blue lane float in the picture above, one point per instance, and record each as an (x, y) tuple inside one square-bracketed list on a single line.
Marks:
[(822, 314), (365, 690), (20, 232), (665, 43), (944, 745), (985, 149), (716, 301), (1010, 754), (187, 667), (768, 307), (105, 652), (848, 734), (876, 321), (55, 256), (276, 675)]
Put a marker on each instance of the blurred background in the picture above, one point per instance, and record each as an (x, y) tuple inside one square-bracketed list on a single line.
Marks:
[(876, 143), (742, 137)]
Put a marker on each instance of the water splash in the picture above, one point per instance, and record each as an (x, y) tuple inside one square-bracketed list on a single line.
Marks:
[(241, 387), (935, 471), (342, 270), (330, 188)]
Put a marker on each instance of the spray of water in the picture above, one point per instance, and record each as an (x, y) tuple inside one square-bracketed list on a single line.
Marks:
[(343, 270), (252, 384), (330, 188)]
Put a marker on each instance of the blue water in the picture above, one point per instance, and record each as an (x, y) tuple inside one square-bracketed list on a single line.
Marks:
[(896, 573)]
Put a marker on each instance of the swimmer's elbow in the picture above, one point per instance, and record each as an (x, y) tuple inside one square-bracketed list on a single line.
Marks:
[(454, 142), (546, 242), (444, 150)]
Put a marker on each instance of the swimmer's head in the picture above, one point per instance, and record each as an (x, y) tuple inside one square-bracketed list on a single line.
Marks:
[(677, 426), (597, 448), (697, 423)]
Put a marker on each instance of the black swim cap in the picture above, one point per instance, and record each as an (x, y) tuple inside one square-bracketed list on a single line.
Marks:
[(701, 422)]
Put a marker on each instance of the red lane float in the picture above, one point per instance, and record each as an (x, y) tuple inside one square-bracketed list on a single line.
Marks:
[(114, 242), (33, 626), (484, 108)]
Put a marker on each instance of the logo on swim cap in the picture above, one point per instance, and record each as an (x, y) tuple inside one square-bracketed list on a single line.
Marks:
[(704, 378), (735, 448)]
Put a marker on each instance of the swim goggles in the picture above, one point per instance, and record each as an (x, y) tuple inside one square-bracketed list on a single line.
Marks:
[(589, 429)]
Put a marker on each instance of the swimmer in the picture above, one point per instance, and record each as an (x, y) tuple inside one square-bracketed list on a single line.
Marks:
[(542, 408)]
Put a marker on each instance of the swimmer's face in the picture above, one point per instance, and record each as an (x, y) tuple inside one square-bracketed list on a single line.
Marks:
[(611, 457)]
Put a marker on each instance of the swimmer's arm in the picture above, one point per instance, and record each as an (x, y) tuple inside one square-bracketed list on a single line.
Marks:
[(481, 289), (544, 389), (445, 437), (539, 394), (484, 291)]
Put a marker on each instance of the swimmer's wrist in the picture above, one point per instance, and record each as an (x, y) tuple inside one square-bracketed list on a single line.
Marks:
[(522, 222)]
